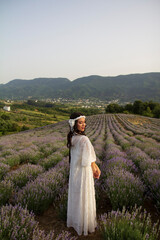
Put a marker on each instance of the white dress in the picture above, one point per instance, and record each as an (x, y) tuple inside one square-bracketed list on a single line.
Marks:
[(81, 208)]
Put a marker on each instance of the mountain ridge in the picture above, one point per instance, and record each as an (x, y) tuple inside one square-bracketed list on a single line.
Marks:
[(143, 86)]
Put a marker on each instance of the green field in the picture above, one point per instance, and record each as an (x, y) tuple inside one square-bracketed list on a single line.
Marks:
[(25, 116)]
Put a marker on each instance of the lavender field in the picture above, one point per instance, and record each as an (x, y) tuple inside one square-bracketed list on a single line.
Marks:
[(34, 173)]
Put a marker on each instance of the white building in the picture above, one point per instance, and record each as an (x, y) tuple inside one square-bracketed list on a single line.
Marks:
[(7, 108)]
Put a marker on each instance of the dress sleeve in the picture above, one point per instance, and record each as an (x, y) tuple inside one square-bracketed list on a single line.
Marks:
[(88, 153)]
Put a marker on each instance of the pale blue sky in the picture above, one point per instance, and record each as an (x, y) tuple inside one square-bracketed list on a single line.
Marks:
[(76, 38)]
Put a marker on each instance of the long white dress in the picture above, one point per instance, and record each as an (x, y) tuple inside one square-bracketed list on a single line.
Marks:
[(81, 208)]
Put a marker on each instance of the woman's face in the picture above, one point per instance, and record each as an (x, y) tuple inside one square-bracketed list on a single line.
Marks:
[(81, 124)]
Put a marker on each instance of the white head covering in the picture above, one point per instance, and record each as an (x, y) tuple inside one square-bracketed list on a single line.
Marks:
[(72, 122)]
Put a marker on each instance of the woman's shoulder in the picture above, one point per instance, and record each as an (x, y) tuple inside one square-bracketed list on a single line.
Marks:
[(81, 138), (84, 139), (77, 139)]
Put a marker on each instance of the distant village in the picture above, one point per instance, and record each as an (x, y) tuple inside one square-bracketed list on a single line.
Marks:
[(84, 103)]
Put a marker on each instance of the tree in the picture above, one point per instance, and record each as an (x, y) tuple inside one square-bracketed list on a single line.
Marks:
[(31, 102), (152, 105), (129, 107), (148, 112), (156, 111), (114, 108), (138, 107)]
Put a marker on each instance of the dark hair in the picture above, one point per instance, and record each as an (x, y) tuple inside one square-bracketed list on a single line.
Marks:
[(75, 130)]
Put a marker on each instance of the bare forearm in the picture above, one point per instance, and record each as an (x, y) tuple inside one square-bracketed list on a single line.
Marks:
[(93, 164), (95, 169)]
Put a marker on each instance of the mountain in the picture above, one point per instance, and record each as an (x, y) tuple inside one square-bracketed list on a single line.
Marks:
[(38, 88), (123, 87)]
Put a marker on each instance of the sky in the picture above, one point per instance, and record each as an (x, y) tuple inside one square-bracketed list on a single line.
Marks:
[(77, 38)]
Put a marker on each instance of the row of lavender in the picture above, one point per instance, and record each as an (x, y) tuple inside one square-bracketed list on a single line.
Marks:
[(148, 127), (145, 153), (129, 176), (118, 180), (126, 190)]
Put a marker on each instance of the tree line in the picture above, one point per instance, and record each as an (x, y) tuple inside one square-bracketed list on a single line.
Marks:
[(149, 109)]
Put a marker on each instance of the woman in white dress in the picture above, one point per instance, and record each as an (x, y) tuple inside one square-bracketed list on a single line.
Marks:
[(81, 208)]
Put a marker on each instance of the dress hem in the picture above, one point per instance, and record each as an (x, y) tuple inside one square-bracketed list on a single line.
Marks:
[(82, 233)]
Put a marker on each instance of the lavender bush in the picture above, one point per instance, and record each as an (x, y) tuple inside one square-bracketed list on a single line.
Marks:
[(120, 162), (137, 155), (62, 199), (41, 192), (123, 188), (6, 189), (149, 164), (12, 160), (51, 160), (16, 223), (64, 151), (113, 150), (41, 235), (135, 225), (65, 235), (4, 168), (151, 178), (29, 154), (24, 174)]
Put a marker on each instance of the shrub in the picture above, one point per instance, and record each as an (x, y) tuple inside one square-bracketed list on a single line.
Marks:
[(137, 155), (130, 226), (50, 161), (12, 160), (29, 155), (6, 188), (41, 192), (152, 180), (149, 164), (41, 235), (16, 223), (4, 168), (123, 188), (62, 200), (121, 162), (24, 174)]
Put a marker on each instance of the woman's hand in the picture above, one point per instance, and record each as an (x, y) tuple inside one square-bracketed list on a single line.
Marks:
[(96, 170), (99, 171)]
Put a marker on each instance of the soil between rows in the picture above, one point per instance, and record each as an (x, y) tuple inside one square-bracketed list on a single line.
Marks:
[(49, 220)]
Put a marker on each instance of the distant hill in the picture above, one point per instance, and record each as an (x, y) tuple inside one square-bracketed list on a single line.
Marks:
[(37, 88), (124, 87)]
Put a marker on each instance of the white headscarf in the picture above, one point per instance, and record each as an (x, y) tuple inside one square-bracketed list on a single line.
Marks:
[(72, 122)]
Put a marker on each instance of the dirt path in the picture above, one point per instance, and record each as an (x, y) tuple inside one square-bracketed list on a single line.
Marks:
[(49, 220)]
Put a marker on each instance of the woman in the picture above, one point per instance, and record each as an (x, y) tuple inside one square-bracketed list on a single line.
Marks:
[(81, 209)]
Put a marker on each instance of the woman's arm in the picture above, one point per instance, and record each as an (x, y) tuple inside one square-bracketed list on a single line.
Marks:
[(96, 170)]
